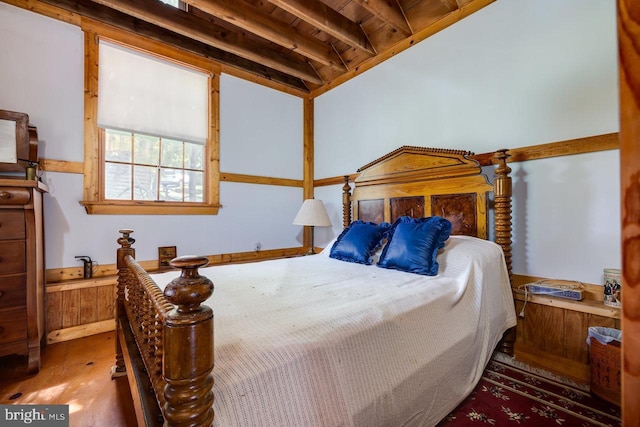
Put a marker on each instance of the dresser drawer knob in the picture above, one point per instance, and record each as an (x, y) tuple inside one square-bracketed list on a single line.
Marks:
[(5, 195), (1, 294)]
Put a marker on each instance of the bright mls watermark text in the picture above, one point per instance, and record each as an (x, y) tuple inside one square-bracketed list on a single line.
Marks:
[(34, 415)]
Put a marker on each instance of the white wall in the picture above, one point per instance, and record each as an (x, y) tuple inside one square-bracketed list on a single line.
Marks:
[(42, 75), (514, 74), (261, 130)]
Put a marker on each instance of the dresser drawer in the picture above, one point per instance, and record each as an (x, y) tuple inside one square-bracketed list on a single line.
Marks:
[(12, 257), (13, 291), (12, 224), (14, 196), (13, 325)]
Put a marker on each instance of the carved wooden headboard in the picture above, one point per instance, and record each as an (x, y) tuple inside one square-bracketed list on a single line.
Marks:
[(421, 182)]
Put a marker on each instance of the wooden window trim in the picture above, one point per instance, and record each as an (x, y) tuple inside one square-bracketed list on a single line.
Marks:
[(93, 198)]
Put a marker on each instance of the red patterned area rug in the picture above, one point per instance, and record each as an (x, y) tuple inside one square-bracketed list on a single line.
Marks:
[(507, 396)]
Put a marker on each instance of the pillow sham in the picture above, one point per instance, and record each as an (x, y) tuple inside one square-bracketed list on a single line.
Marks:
[(359, 241), (413, 244)]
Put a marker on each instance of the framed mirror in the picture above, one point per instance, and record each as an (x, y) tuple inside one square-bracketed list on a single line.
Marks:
[(14, 141)]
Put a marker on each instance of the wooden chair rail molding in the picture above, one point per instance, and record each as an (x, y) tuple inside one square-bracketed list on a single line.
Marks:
[(63, 166), (608, 141), (590, 144), (254, 179)]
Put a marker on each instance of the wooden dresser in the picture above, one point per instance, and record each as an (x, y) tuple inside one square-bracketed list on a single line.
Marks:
[(21, 269)]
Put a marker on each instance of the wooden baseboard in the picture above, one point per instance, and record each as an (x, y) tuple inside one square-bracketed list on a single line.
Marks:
[(562, 366), (81, 331)]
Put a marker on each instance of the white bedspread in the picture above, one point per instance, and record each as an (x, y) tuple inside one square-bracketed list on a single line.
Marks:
[(313, 341)]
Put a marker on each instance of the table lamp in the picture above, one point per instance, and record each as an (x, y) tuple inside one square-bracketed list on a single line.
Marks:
[(312, 214)]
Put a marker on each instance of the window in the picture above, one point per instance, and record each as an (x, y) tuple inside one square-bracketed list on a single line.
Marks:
[(144, 167), (151, 134), (176, 3)]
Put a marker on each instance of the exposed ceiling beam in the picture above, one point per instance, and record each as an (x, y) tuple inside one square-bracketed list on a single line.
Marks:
[(304, 47), (120, 20), (183, 23), (251, 19), (388, 11), (328, 20)]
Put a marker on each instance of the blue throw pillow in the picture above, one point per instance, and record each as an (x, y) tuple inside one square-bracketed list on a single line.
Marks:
[(359, 241), (413, 244)]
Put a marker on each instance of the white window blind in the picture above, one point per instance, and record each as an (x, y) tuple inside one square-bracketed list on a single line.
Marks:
[(143, 94)]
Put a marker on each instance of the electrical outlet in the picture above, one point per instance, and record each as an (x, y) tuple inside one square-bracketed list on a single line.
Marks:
[(165, 255), (257, 246)]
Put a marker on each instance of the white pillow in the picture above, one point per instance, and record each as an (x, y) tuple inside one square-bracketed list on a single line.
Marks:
[(327, 249)]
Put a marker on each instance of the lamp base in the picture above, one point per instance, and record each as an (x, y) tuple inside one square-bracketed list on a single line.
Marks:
[(310, 251)]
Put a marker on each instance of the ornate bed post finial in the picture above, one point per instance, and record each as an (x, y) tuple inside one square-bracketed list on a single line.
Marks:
[(187, 370), (346, 202), (125, 241)]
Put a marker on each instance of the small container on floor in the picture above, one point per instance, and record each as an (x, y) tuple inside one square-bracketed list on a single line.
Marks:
[(605, 360)]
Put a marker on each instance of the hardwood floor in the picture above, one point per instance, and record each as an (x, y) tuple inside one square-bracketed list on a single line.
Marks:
[(75, 373)]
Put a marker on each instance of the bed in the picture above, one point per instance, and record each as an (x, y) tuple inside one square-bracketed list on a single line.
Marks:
[(322, 341)]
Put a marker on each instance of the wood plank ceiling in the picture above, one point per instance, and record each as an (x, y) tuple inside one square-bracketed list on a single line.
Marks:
[(308, 46)]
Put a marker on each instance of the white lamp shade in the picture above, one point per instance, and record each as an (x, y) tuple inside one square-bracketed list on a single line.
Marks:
[(312, 212)]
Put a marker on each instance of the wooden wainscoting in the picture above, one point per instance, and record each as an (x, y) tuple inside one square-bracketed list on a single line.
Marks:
[(552, 332), (78, 308)]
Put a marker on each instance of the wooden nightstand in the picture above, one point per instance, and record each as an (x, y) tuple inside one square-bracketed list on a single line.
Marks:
[(552, 334)]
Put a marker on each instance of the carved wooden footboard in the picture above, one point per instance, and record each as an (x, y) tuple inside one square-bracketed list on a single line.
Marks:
[(165, 341)]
